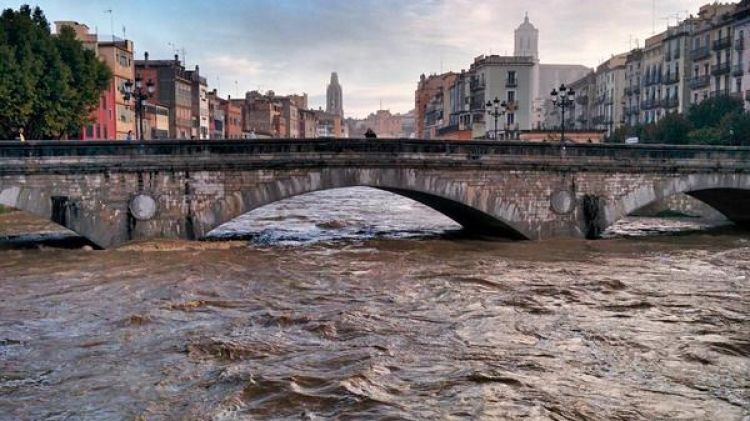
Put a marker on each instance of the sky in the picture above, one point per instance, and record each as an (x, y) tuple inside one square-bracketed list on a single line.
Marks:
[(379, 48)]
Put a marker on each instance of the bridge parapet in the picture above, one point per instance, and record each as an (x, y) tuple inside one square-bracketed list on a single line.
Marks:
[(38, 157)]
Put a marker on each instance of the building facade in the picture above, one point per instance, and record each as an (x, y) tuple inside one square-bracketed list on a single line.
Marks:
[(173, 89), (232, 118), (199, 109), (114, 117), (427, 89)]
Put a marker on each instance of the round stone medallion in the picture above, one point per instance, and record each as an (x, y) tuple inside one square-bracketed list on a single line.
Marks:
[(563, 202), (143, 207)]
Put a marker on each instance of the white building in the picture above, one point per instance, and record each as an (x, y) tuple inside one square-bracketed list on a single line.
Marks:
[(514, 80)]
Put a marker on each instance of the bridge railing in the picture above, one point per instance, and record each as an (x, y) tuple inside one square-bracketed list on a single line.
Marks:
[(297, 149)]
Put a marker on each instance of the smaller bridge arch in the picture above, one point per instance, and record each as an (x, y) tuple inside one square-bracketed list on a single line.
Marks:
[(93, 224), (728, 193)]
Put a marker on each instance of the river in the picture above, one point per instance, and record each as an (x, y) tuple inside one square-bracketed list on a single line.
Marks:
[(358, 304)]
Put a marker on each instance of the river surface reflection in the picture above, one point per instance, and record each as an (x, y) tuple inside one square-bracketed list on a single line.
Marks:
[(356, 303)]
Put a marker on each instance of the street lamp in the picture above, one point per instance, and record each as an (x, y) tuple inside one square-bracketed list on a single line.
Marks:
[(496, 109), (139, 95), (563, 97)]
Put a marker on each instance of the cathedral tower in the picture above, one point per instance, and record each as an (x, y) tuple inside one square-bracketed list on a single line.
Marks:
[(527, 40), (334, 104)]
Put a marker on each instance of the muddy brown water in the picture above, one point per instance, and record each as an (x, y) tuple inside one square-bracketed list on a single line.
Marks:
[(356, 304)]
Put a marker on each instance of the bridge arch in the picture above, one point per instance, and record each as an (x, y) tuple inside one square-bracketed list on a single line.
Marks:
[(470, 207), (728, 193), (62, 210)]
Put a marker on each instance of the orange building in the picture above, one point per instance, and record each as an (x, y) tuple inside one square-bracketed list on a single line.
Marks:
[(429, 88)]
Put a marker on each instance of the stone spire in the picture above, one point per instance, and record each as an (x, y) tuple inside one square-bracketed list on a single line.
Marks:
[(527, 40), (334, 97)]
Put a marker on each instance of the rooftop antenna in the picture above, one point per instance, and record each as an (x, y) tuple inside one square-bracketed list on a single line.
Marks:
[(111, 23), (124, 33)]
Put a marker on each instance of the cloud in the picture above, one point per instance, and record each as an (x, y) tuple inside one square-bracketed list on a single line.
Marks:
[(378, 47)]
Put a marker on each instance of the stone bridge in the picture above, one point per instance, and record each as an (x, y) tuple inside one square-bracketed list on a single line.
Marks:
[(115, 192)]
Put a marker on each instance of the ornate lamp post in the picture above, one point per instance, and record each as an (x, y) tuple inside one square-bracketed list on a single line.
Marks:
[(563, 97), (139, 95), (496, 109)]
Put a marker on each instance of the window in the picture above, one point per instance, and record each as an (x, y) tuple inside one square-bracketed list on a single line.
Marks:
[(123, 60), (90, 131), (511, 96), (511, 119), (511, 75)]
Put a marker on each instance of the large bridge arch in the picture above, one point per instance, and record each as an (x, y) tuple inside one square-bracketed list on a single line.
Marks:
[(470, 207), (728, 193)]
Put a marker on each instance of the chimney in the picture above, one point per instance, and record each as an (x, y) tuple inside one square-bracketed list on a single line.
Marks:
[(176, 58), (145, 58)]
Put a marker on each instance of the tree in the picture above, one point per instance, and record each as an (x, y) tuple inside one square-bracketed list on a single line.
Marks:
[(706, 136), (710, 112), (48, 84), (735, 127), (672, 129)]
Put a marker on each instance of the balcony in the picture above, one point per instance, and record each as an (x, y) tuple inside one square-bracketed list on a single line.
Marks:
[(653, 80), (600, 99), (700, 53), (582, 99), (739, 44), (720, 92), (720, 69), (700, 82), (650, 104), (476, 85), (671, 78), (722, 43), (671, 102), (511, 83), (737, 70), (609, 101)]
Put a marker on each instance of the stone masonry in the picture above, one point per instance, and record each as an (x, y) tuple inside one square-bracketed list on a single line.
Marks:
[(112, 193)]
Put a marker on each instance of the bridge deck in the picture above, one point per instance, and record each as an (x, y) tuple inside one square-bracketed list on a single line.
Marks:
[(92, 156)]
